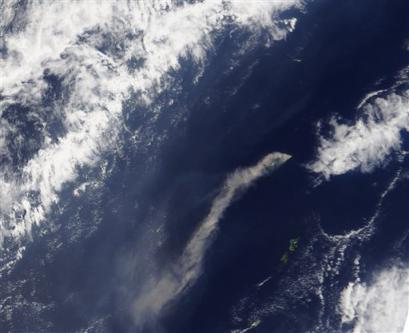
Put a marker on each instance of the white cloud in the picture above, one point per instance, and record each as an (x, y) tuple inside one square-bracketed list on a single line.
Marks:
[(66, 39), (380, 306), (189, 265), (365, 144)]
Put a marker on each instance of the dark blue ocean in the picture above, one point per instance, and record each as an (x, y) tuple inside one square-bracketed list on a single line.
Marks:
[(102, 246)]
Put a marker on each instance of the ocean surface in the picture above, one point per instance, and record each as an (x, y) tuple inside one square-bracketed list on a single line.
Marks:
[(204, 166)]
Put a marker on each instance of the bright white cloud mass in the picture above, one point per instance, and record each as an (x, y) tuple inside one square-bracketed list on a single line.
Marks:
[(380, 306), (66, 39), (365, 144)]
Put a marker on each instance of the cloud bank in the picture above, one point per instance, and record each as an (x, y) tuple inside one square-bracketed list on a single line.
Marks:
[(365, 144), (87, 47)]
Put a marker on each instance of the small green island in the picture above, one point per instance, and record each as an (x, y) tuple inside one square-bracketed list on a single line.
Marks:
[(292, 247)]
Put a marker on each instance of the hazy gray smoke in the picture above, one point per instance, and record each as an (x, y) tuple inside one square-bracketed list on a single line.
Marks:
[(160, 290)]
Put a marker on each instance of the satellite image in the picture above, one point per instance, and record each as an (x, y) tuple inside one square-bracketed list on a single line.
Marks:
[(204, 166)]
